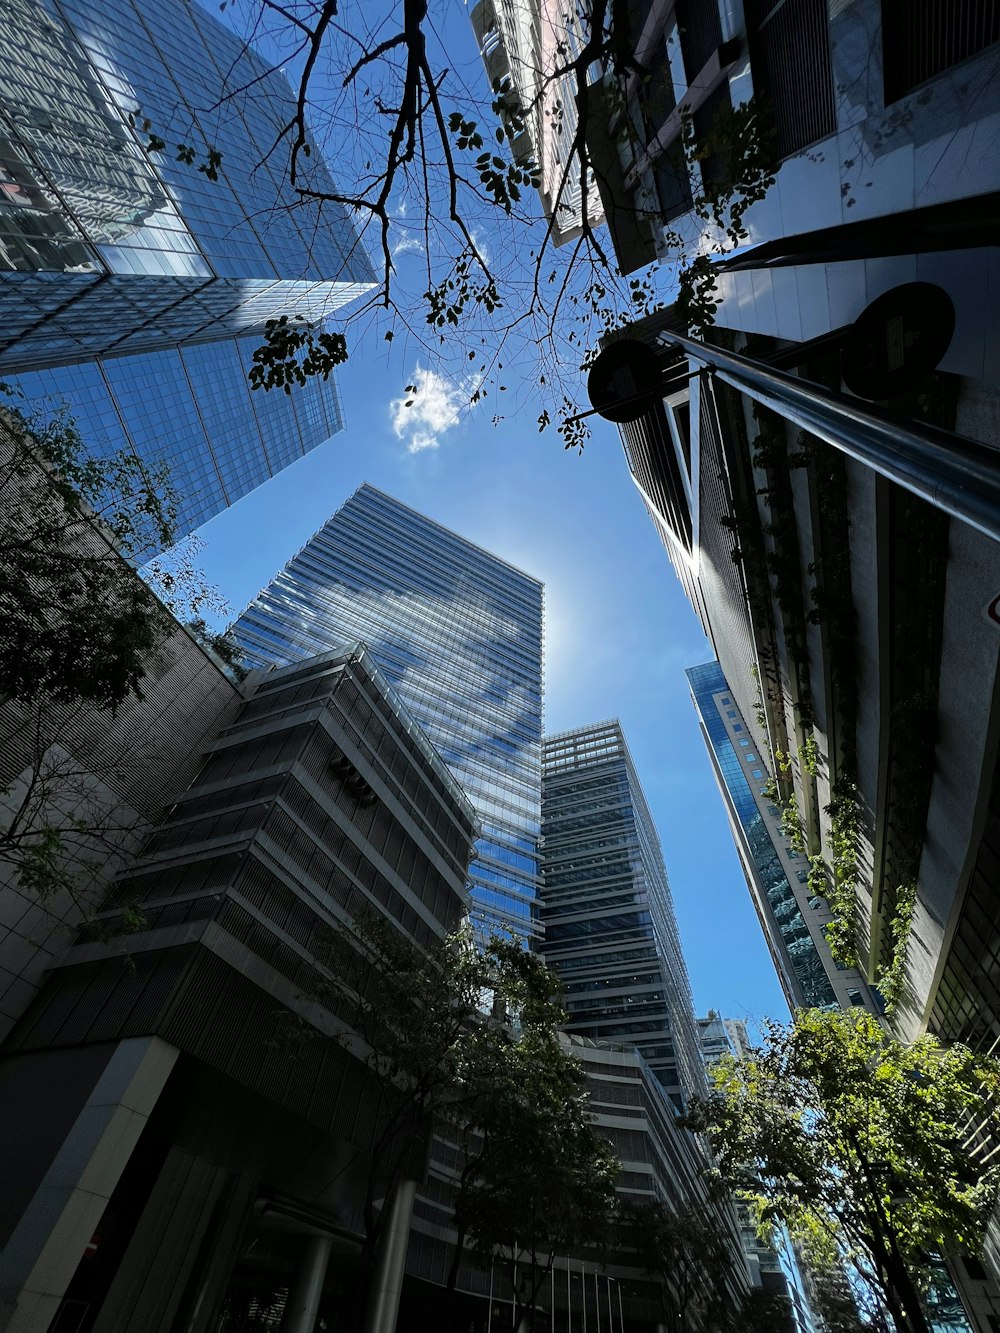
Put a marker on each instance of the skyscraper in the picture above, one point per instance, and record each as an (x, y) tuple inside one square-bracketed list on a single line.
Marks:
[(458, 632), (610, 930), (792, 915), (108, 250)]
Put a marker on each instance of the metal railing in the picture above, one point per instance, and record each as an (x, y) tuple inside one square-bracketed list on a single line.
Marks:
[(956, 474)]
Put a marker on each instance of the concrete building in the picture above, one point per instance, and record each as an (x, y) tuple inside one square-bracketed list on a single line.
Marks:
[(610, 929), (523, 44), (113, 775), (458, 632), (134, 287), (188, 1169)]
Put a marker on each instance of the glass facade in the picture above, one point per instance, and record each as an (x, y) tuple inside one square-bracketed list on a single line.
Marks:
[(610, 930), (106, 248), (736, 765), (458, 633), (193, 409), (133, 288)]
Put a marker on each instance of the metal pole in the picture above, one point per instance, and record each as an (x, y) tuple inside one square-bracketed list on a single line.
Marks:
[(956, 474), (383, 1304), (597, 1301), (489, 1317), (611, 1317), (621, 1311), (302, 1305), (583, 1293), (552, 1297), (569, 1300)]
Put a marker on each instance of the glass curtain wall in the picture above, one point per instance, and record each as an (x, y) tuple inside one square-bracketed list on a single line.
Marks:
[(458, 633)]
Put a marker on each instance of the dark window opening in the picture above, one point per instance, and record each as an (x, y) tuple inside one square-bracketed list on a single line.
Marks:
[(922, 38)]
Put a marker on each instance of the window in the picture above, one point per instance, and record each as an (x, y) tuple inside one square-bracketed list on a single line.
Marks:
[(921, 38), (730, 712), (758, 773), (737, 726), (743, 742), (974, 1268), (855, 996)]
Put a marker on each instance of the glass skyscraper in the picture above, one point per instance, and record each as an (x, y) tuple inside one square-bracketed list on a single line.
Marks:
[(610, 929), (108, 250), (191, 407), (791, 916), (458, 633)]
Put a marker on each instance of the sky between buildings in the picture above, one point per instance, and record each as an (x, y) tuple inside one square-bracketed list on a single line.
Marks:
[(619, 632)]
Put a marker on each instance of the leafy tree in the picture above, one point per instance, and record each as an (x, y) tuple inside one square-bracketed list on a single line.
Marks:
[(859, 1144), (458, 1034), (765, 1311), (79, 625), (688, 1254), (546, 1186), (430, 165)]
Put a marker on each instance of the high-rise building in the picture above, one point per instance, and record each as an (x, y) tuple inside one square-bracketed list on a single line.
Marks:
[(610, 930), (212, 1132), (841, 548), (773, 1264), (192, 409), (458, 633), (523, 44), (108, 250), (792, 915)]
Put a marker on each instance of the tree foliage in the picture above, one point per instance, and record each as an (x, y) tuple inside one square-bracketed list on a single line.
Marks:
[(688, 1254), (466, 1037), (79, 625), (858, 1144), (81, 630), (434, 163)]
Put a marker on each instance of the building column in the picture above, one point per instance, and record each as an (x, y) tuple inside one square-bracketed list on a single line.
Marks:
[(307, 1288), (42, 1254), (387, 1287)]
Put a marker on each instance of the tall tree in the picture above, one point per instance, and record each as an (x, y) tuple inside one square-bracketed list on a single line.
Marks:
[(688, 1255), (458, 1034), (546, 1184), (859, 1142), (79, 625)]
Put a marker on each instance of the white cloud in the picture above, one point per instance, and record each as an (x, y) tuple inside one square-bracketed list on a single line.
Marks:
[(407, 246), (437, 406)]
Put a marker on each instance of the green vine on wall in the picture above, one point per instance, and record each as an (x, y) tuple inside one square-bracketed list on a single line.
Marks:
[(890, 981), (842, 889)]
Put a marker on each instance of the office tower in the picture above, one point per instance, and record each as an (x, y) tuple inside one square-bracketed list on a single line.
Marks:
[(107, 250), (834, 544), (791, 914), (211, 1132), (458, 633), (773, 1266), (522, 45), (192, 409), (610, 930)]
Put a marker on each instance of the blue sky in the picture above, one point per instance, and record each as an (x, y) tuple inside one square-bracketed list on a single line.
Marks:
[(619, 631)]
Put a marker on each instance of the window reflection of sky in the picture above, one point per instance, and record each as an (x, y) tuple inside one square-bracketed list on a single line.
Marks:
[(706, 683), (457, 632)]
